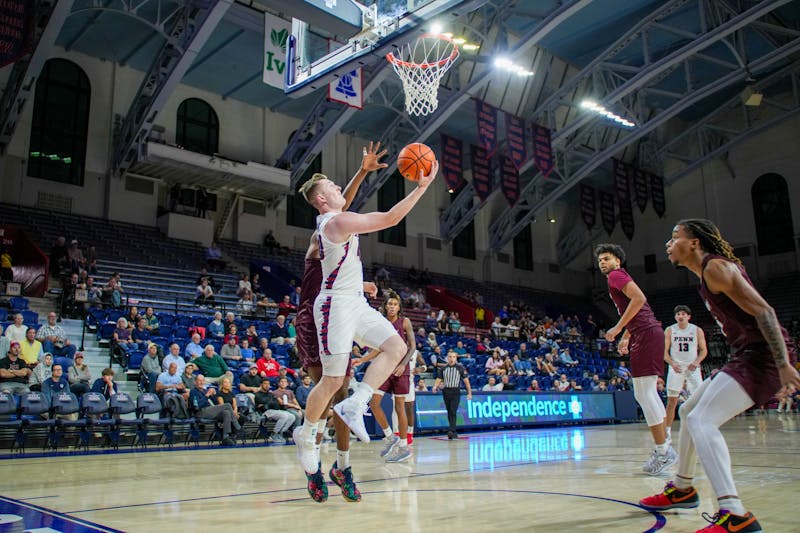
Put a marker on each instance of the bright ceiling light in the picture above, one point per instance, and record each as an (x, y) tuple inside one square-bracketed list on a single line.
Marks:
[(594, 107), (436, 28), (470, 47)]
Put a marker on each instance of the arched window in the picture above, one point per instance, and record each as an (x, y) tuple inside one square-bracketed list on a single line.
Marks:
[(773, 214), (198, 127), (60, 125)]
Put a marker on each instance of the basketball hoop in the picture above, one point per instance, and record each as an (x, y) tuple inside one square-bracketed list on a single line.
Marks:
[(421, 65)]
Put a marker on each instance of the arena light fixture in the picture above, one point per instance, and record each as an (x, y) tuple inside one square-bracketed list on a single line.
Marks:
[(506, 64), (594, 107)]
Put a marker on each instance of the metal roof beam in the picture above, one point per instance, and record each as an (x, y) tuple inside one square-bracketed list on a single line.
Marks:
[(190, 30)]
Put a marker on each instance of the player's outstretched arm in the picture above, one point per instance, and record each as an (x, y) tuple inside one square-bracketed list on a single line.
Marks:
[(369, 163)]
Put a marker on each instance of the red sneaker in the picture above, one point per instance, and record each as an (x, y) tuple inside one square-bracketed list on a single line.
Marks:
[(671, 498), (726, 522), (410, 438)]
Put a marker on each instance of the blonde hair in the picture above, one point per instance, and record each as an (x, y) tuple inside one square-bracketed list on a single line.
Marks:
[(308, 187)]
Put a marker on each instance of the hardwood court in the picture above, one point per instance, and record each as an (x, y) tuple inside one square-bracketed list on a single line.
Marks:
[(552, 479)]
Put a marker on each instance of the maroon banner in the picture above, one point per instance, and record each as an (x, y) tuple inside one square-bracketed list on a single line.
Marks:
[(515, 137), (640, 188), (623, 191), (487, 126), (16, 23), (607, 212), (657, 193), (542, 150), (509, 180), (481, 172), (588, 208), (452, 162)]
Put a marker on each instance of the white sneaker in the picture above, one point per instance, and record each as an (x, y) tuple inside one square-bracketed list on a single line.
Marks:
[(398, 455), (306, 453), (659, 462), (352, 413), (389, 444)]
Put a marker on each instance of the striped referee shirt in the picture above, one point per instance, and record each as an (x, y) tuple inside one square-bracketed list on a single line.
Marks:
[(451, 375)]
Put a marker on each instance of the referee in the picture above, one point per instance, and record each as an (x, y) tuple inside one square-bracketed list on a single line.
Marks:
[(452, 374)]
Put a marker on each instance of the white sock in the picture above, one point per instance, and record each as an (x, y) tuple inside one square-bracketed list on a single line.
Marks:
[(310, 429), (681, 483), (733, 505), (669, 434), (410, 430), (387, 432), (661, 449), (342, 459), (363, 393), (321, 425), (403, 443)]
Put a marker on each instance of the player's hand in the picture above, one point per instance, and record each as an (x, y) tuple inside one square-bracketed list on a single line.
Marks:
[(612, 333), (677, 369), (622, 346), (469, 396), (372, 156), (370, 289), (693, 366), (790, 380), (399, 370), (424, 180), (356, 362)]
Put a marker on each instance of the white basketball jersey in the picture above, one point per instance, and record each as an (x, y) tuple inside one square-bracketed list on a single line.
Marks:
[(341, 263), (683, 343)]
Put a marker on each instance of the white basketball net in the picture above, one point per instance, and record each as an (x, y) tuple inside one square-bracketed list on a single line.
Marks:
[(421, 65)]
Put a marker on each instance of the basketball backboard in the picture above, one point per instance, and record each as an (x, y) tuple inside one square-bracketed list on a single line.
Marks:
[(315, 56)]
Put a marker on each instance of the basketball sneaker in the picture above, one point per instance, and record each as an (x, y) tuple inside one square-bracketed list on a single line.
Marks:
[(398, 455), (389, 444), (671, 498), (352, 412), (317, 488), (344, 480), (306, 453), (726, 522), (658, 462)]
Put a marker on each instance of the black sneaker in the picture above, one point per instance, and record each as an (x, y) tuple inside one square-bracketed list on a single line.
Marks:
[(227, 441)]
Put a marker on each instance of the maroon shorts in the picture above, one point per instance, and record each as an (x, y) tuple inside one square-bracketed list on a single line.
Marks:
[(398, 385), (754, 369), (307, 344), (646, 348)]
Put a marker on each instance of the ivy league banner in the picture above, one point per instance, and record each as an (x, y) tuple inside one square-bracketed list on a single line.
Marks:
[(16, 23), (481, 172), (510, 181), (607, 212), (452, 162), (487, 126), (640, 188), (623, 197), (542, 150), (276, 32), (515, 137), (657, 191), (588, 208)]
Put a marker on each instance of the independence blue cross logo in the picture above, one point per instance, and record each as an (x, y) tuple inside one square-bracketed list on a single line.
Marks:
[(575, 407)]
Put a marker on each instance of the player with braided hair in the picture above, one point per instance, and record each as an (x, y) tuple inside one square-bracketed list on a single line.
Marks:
[(762, 366)]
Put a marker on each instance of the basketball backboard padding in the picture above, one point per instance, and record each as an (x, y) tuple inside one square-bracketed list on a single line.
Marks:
[(340, 17)]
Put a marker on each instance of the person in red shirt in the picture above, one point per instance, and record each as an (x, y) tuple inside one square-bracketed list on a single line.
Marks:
[(268, 367), (286, 307)]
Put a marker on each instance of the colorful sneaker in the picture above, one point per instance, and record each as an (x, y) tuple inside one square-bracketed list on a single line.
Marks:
[(389, 444), (658, 462), (398, 455), (410, 439), (317, 488), (726, 522), (671, 498), (344, 480), (352, 412), (306, 453)]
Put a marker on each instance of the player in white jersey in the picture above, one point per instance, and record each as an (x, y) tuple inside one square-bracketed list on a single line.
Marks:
[(684, 351), (341, 313)]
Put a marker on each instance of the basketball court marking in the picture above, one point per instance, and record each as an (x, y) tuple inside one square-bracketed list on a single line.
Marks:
[(36, 518)]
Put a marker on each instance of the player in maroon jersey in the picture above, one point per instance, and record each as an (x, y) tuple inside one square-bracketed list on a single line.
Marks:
[(644, 340), (761, 366), (308, 346)]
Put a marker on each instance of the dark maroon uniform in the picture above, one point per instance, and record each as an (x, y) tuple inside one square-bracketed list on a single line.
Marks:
[(398, 385), (646, 345), (752, 364), (307, 345)]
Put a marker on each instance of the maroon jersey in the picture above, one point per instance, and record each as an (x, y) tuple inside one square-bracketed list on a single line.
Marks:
[(307, 345), (645, 318), (398, 326), (740, 328)]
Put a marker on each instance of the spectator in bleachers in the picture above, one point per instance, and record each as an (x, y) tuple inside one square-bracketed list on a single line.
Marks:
[(573, 385), (30, 349), (545, 367), (187, 377), (214, 257), (41, 373), (226, 396), (232, 333), (565, 357), (94, 294), (133, 317), (246, 306), (480, 317), (55, 383), (561, 384), (230, 350), (54, 338), (111, 294), (264, 305), (603, 387), (75, 257), (151, 368), (204, 294), (524, 353), (498, 329), (216, 329), (303, 390), (507, 384), (286, 307), (534, 386), (193, 349), (422, 300), (503, 315), (212, 365), (268, 367), (454, 323), (58, 256), (267, 404), (289, 374), (6, 268), (295, 297), (250, 382), (79, 376), (522, 366), (170, 381), (211, 281), (431, 324), (14, 373), (421, 340), (623, 373), (380, 275), (151, 322), (248, 354), (494, 364), (203, 402), (432, 342), (482, 346), (442, 323), (459, 349), (230, 321), (279, 332), (421, 386), (243, 285), (288, 401), (508, 364), (251, 335), (174, 356), (140, 335), (105, 384), (437, 358), (492, 385), (17, 330), (595, 385)]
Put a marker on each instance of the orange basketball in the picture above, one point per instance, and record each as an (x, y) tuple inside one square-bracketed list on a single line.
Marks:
[(414, 158)]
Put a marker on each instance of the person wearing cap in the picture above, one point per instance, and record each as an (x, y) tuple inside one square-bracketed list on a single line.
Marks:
[(30, 349), (79, 376), (250, 383), (14, 373), (188, 375)]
